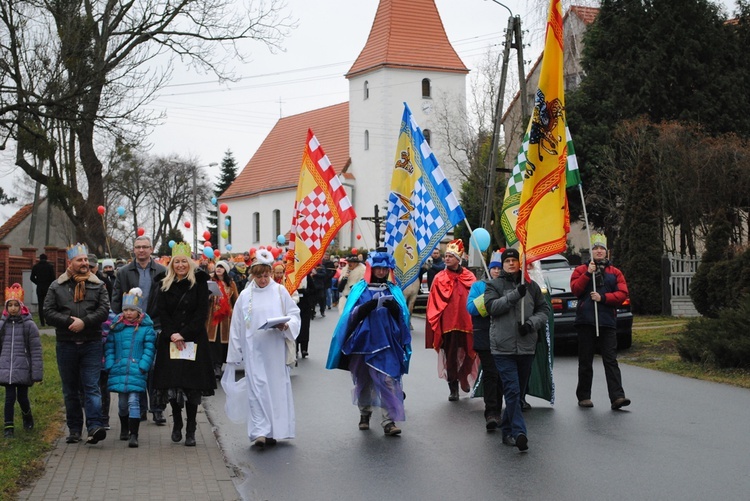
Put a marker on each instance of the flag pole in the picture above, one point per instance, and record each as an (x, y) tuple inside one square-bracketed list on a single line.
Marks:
[(591, 253), (471, 236)]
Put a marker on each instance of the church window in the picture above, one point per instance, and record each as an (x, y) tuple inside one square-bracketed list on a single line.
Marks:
[(426, 88), (256, 226), (367, 140)]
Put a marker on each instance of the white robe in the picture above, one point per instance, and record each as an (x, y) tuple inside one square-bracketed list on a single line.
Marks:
[(264, 355)]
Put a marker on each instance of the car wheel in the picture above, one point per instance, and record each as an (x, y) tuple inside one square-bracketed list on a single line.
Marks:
[(624, 341)]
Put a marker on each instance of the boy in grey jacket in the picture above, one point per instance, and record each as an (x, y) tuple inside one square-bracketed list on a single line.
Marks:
[(513, 339)]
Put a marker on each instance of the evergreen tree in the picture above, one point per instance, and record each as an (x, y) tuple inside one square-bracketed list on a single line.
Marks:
[(226, 178), (175, 234)]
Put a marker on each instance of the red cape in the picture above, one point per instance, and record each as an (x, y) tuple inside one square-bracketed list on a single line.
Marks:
[(446, 307)]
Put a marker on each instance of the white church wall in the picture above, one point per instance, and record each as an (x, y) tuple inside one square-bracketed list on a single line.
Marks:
[(245, 231)]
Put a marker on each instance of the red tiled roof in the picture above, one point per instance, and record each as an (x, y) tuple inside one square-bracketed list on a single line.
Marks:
[(15, 220), (587, 14), (276, 164), (407, 34)]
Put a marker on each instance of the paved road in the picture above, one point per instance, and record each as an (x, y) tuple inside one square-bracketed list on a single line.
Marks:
[(680, 439)]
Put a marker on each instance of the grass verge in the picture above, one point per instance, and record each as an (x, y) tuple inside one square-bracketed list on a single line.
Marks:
[(654, 347), (23, 456)]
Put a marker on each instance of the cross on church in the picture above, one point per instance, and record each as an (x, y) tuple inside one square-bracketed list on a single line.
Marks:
[(377, 220)]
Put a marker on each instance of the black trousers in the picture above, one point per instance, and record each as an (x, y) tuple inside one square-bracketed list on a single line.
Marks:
[(608, 347), (492, 386)]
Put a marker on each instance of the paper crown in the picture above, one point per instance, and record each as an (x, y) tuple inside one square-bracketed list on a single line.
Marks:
[(15, 291), (598, 240), (262, 257), (132, 300), (77, 250), (381, 259), (181, 249), (455, 247), (496, 260)]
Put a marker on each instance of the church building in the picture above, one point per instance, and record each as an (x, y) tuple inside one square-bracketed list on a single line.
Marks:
[(407, 58)]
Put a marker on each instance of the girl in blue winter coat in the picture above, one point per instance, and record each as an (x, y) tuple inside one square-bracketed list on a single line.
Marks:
[(20, 357), (128, 356)]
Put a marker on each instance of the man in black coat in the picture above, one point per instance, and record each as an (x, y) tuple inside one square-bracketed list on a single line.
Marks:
[(42, 274)]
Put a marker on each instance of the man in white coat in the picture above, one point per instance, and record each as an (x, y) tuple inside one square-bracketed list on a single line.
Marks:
[(263, 352)]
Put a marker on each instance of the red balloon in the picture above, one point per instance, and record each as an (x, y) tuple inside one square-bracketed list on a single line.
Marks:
[(207, 243), (187, 224), (100, 210), (206, 235), (141, 232), (252, 250), (223, 208), (262, 247), (359, 237), (275, 252), (354, 252), (217, 253)]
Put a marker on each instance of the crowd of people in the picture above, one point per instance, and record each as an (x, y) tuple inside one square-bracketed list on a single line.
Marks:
[(158, 335)]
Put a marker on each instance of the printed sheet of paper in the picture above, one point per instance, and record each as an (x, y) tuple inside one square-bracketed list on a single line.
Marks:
[(187, 354), (273, 322)]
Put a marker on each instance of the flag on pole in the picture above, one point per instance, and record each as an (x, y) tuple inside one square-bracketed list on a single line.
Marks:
[(543, 217), (320, 210), (512, 199), (421, 204)]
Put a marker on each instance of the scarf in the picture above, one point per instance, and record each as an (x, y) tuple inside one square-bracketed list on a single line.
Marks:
[(80, 280)]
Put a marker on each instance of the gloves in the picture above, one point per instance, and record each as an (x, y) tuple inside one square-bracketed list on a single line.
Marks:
[(393, 308), (365, 309), (521, 289), (526, 328)]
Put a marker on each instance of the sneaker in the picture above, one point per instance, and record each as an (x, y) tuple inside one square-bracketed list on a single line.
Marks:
[(491, 423), (8, 431), (522, 442), (620, 402), (525, 406), (364, 422), (508, 440), (391, 430), (96, 435), (159, 417), (587, 403), (73, 438)]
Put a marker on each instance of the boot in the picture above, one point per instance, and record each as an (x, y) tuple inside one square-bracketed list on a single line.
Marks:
[(191, 411), (8, 431), (177, 418), (453, 386), (134, 424), (123, 427), (28, 420)]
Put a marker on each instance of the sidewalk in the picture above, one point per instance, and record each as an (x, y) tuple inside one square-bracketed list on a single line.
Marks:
[(157, 469)]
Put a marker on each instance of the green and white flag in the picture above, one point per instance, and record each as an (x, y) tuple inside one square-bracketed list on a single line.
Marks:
[(513, 190)]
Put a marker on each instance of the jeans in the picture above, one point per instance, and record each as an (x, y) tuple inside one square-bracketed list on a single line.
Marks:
[(513, 369), (79, 366), (608, 347), (128, 404)]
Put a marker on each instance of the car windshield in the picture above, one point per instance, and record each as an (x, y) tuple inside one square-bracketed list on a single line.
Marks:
[(559, 281)]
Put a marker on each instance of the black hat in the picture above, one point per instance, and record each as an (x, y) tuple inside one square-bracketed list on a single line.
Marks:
[(352, 259), (510, 253)]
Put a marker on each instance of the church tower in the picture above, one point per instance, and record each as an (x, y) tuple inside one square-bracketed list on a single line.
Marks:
[(407, 58)]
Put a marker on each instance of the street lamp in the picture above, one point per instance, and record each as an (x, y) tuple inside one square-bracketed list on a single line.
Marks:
[(195, 207)]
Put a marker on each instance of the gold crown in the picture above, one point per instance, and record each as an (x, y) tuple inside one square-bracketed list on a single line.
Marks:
[(15, 291), (598, 240), (455, 247), (181, 249), (77, 250)]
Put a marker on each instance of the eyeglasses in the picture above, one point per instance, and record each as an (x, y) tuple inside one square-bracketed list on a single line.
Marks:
[(142, 247)]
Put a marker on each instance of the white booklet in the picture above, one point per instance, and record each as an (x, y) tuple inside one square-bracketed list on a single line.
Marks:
[(187, 354), (273, 322)]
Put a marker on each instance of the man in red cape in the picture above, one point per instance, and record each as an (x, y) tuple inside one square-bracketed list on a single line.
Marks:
[(449, 328)]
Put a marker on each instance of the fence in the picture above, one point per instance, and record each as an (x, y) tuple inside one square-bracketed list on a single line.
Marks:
[(680, 271), (12, 267)]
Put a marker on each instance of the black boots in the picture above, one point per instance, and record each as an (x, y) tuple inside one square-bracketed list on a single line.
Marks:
[(8, 430), (191, 411), (453, 386), (134, 424), (124, 427), (28, 420), (177, 418)]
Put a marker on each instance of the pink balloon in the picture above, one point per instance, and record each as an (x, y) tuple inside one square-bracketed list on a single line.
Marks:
[(207, 243)]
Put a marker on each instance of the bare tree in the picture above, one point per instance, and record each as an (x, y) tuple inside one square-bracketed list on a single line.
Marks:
[(74, 71)]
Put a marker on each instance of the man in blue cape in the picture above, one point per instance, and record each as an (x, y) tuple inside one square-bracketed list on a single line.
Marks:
[(372, 340)]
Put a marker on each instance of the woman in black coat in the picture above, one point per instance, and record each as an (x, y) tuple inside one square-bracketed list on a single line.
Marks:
[(183, 309)]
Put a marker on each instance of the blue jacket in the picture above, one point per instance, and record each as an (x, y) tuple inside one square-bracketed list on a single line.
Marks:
[(480, 324), (128, 354)]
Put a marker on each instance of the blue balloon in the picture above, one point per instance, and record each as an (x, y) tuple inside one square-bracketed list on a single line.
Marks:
[(480, 239), (281, 240), (229, 247), (227, 222), (121, 210), (172, 243), (213, 200), (208, 252)]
